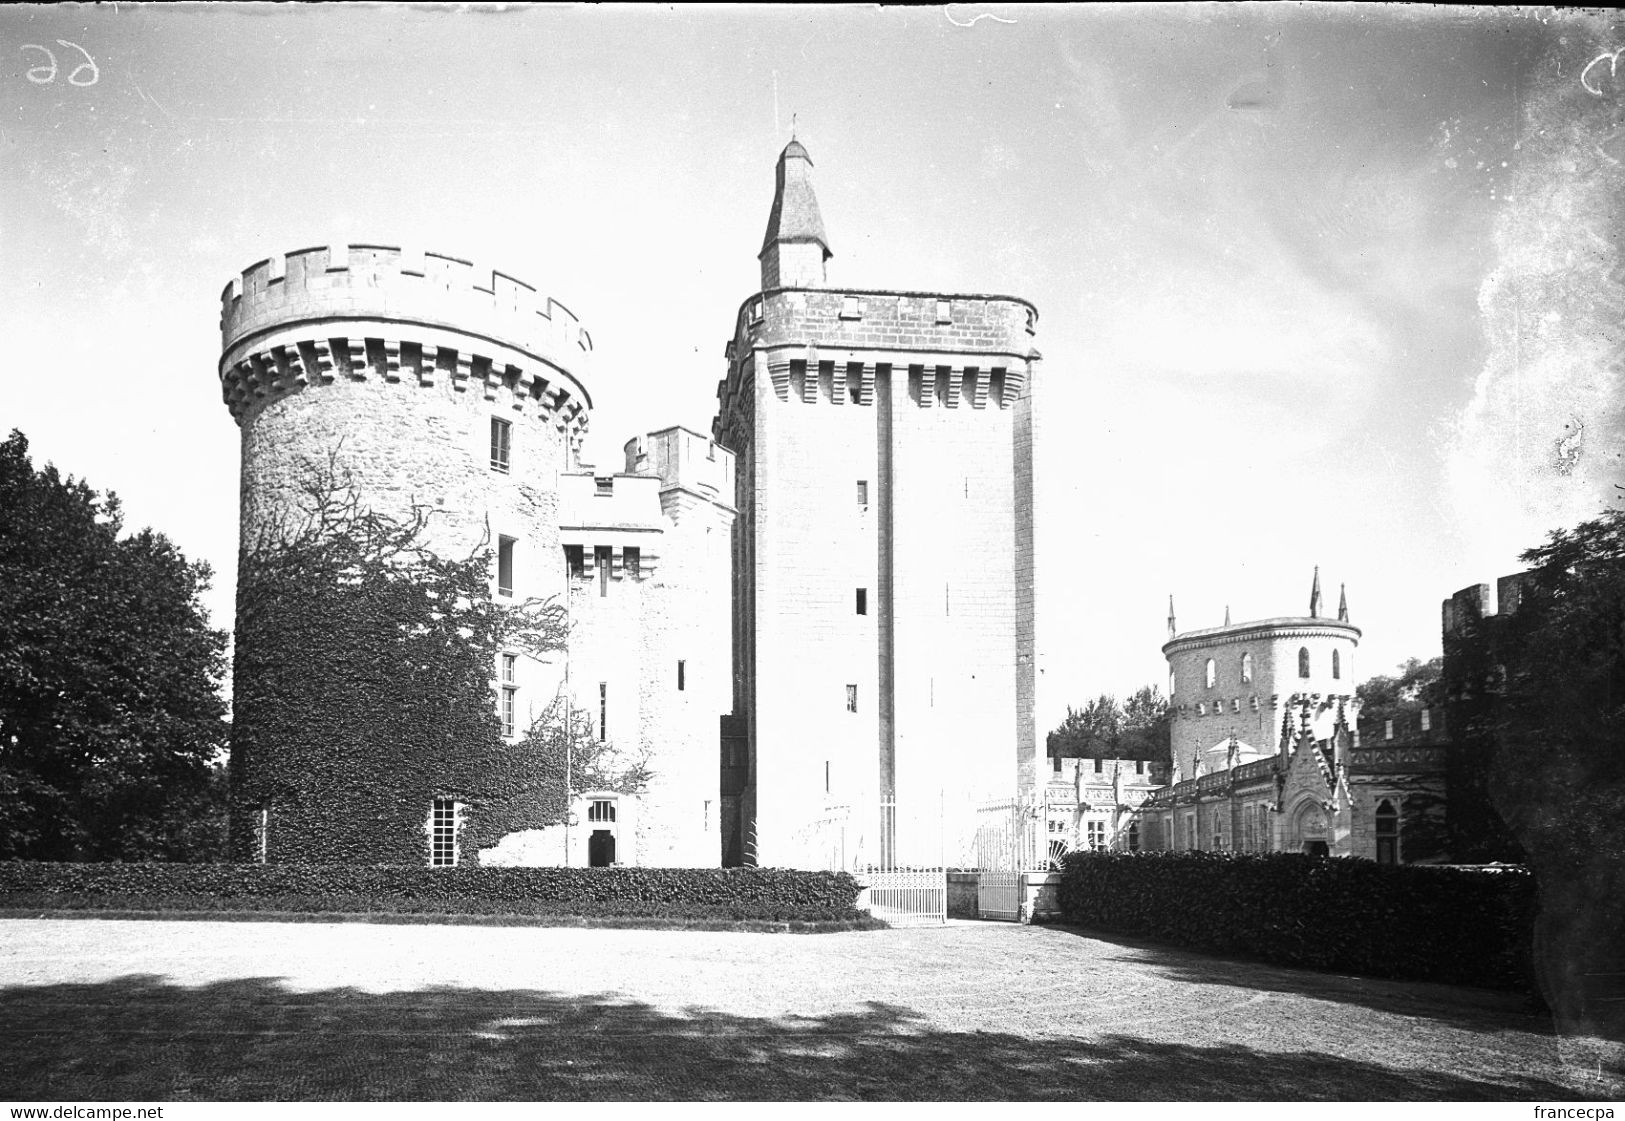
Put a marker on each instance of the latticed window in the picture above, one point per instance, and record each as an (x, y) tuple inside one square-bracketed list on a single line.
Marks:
[(1095, 834), (262, 834), (851, 698), (501, 442), (601, 811), (510, 692), (443, 833)]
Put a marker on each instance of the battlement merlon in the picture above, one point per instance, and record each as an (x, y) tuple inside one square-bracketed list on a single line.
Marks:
[(1462, 611), (391, 284), (897, 328)]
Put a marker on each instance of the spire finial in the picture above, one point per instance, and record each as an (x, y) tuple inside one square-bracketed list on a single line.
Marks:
[(1342, 603), (792, 126), (1314, 595), (1170, 616), (1227, 614)]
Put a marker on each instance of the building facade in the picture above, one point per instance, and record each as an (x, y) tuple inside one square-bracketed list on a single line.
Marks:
[(1268, 755), (431, 389), (883, 554)]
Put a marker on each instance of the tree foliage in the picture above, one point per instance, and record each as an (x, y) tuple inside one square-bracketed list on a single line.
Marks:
[(1103, 728), (1416, 686), (110, 711), (1558, 777), (365, 688)]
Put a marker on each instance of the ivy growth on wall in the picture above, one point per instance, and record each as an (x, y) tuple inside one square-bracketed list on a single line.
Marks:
[(364, 688)]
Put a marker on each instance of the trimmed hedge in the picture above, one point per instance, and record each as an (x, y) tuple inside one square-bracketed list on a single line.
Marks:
[(1463, 926), (733, 894)]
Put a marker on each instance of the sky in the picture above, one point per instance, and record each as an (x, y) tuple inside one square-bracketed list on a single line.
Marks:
[(1333, 285)]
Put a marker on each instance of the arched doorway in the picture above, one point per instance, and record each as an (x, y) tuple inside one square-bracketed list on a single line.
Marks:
[(1311, 833)]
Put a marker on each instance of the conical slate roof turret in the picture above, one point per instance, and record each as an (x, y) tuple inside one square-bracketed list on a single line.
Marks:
[(795, 214), (795, 247)]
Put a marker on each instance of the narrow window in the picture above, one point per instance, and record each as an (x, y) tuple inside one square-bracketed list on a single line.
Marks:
[(851, 698), (1427, 720), (1100, 765), (1139, 766), (501, 434), (1212, 673), (826, 776), (863, 493), (1337, 663), (863, 601), (505, 566), (947, 604), (1057, 764), (1387, 831), (1303, 661), (262, 834), (510, 691), (1387, 729), (1133, 836), (1246, 668), (575, 557), (682, 674), (603, 557), (443, 833), (634, 561), (1096, 835), (603, 710)]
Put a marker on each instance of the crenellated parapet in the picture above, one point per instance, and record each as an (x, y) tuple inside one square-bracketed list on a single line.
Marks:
[(377, 312), (824, 346)]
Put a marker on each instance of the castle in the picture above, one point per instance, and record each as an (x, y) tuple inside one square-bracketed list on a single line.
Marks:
[(883, 565), (1268, 755), (848, 622)]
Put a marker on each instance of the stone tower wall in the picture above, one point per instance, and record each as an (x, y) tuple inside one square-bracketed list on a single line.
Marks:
[(923, 398), (1253, 711)]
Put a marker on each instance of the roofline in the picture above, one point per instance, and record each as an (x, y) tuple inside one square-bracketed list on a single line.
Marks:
[(1238, 631), (1028, 304)]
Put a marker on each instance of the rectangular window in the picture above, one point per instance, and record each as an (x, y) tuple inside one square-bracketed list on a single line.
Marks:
[(602, 810), (863, 493), (826, 776), (1096, 835), (443, 833), (863, 601), (505, 566), (603, 557), (1427, 720), (1057, 764), (944, 312), (1387, 729), (604, 486), (501, 433), (1139, 766), (510, 691), (851, 698), (262, 834), (603, 710), (682, 674), (1100, 766), (633, 560), (575, 557)]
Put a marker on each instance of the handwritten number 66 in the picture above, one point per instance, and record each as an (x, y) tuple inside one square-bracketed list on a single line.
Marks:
[(45, 75)]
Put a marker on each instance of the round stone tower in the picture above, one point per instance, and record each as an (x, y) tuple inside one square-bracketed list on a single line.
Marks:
[(420, 381), (436, 395)]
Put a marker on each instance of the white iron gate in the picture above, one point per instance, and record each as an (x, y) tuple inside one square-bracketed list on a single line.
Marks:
[(1010, 841), (895, 853)]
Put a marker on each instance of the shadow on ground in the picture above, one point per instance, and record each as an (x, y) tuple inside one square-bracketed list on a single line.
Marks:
[(141, 1038), (1470, 1009)]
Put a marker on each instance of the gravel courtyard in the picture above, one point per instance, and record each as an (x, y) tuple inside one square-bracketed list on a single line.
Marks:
[(134, 1010)]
